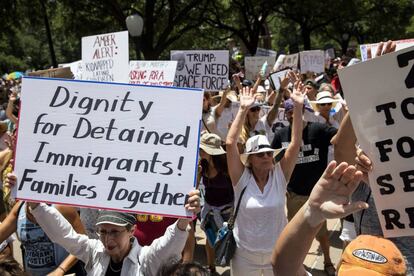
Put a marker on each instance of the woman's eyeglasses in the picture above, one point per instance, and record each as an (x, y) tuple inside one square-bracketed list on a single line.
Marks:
[(262, 154), (255, 109), (323, 104), (112, 234)]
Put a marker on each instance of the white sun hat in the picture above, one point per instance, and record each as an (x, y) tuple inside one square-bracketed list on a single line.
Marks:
[(324, 97), (257, 144)]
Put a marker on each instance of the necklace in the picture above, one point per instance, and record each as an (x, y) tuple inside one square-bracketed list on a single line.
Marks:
[(114, 270)]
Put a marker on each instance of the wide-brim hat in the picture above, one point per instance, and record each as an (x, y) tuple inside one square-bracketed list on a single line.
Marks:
[(211, 144), (261, 89), (231, 96), (258, 144), (256, 104), (115, 218), (324, 97)]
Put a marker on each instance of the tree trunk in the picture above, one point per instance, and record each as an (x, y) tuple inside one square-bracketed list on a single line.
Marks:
[(267, 39), (306, 37), (49, 35), (344, 46)]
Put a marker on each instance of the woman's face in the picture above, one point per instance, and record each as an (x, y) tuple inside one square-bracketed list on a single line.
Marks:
[(262, 160), (116, 240), (206, 104), (311, 92), (324, 108), (254, 113)]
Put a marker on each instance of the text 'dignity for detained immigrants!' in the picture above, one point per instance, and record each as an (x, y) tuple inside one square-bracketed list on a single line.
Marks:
[(109, 146)]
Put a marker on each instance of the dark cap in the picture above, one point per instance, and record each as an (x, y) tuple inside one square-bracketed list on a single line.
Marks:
[(247, 82), (289, 105), (312, 83), (115, 218)]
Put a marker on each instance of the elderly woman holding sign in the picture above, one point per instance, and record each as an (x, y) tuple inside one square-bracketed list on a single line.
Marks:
[(116, 252), (260, 185)]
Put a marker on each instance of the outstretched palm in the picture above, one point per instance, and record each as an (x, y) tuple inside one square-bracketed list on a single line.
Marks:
[(247, 97), (331, 194), (298, 95)]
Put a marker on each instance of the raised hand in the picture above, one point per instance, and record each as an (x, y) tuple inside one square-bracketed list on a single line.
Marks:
[(298, 95), (247, 98), (383, 48), (292, 76), (363, 163), (330, 198), (284, 82)]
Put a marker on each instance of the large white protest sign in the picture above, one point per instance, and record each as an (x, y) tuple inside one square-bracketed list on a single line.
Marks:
[(261, 52), (106, 57), (152, 72), (202, 69), (312, 61), (380, 96), (401, 44), (253, 65), (110, 146)]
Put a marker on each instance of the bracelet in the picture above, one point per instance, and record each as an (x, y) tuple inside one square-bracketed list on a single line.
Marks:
[(64, 271)]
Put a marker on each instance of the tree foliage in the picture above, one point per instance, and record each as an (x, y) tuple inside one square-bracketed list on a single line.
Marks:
[(196, 24)]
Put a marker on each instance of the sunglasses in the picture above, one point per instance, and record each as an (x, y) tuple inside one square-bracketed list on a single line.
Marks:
[(112, 234), (262, 154), (255, 109), (323, 104)]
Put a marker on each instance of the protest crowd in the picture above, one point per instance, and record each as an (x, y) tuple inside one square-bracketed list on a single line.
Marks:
[(277, 157)]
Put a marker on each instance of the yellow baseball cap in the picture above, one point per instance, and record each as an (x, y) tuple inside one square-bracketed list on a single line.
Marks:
[(372, 256)]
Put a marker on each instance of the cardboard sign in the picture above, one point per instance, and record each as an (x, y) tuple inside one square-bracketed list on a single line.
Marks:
[(253, 65), (62, 73), (155, 72), (108, 146), (106, 57), (286, 61), (329, 55), (202, 69), (75, 67), (380, 96), (401, 44), (261, 52), (312, 61)]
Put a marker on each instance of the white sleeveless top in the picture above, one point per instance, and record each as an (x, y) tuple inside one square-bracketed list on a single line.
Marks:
[(261, 217)]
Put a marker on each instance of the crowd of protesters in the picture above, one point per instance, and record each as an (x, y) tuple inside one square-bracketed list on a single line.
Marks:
[(247, 154)]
